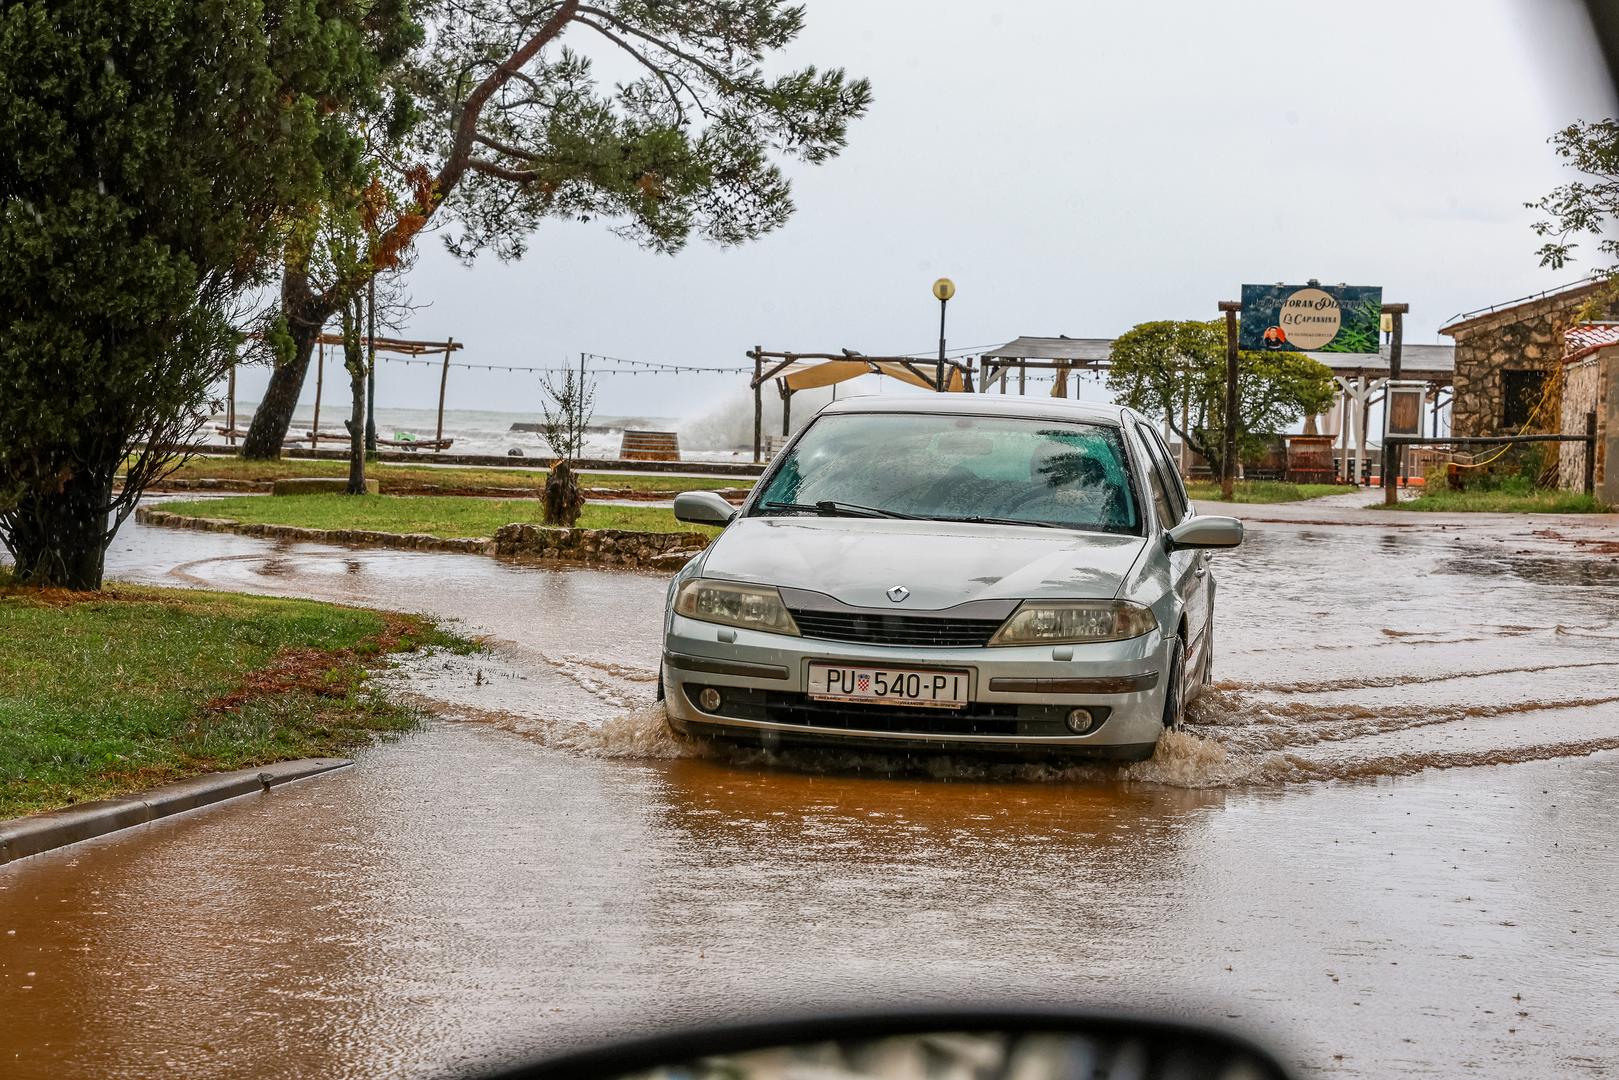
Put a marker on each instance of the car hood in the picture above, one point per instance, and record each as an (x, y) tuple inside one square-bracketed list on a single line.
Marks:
[(857, 560)]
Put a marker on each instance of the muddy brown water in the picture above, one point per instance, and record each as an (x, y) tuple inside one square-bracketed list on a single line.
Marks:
[(1386, 845)]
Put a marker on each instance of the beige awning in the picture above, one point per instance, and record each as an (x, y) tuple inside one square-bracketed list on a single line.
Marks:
[(808, 374)]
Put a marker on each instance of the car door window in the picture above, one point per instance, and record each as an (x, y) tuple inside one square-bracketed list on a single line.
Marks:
[(1164, 495), (1169, 474), (1172, 474), (1155, 484)]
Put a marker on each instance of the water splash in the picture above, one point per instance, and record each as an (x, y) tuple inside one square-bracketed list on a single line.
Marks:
[(1237, 734)]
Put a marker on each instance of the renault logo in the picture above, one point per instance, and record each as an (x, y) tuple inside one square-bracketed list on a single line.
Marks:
[(898, 593)]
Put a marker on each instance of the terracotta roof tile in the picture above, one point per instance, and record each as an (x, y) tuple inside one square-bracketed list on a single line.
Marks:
[(1586, 338)]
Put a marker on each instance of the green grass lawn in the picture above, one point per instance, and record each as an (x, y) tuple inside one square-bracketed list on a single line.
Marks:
[(106, 693), (1437, 497), (436, 515), (403, 478), (1266, 491)]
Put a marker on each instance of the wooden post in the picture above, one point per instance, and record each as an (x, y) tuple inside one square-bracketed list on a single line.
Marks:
[(1364, 388), (1022, 379), (758, 403), (1391, 454), (1186, 425), (1228, 472), (786, 409), (443, 383), (230, 408), (1343, 427), (320, 377), (1591, 453)]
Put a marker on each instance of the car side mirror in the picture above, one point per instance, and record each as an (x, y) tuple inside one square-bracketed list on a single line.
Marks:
[(1204, 532), (968, 1044), (703, 508)]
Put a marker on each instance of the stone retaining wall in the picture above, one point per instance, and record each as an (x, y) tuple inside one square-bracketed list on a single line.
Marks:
[(603, 547), (318, 485), (598, 547), (1591, 385)]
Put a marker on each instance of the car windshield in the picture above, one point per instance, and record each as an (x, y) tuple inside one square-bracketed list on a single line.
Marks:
[(1012, 470)]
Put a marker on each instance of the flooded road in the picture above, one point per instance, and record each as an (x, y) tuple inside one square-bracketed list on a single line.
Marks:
[(1387, 843)]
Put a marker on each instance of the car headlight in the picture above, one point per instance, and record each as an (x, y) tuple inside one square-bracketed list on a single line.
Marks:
[(1074, 622), (753, 607)]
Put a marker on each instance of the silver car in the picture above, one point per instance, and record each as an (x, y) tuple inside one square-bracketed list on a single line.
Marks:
[(950, 572)]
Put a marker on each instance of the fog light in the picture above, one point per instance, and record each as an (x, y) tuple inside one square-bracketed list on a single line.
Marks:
[(1080, 721), (709, 699)]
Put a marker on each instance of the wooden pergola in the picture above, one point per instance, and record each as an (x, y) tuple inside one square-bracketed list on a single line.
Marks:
[(394, 346), (1434, 364), (1360, 377), (1061, 354)]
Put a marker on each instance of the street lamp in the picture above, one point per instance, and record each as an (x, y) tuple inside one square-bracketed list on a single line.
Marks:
[(944, 289)]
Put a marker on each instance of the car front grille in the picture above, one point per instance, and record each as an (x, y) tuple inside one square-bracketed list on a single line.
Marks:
[(869, 628), (976, 718)]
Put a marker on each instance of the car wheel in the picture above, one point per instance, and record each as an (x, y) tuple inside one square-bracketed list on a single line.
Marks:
[(1175, 691), (660, 686)]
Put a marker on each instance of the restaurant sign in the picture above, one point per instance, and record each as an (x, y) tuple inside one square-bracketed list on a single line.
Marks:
[(1311, 318)]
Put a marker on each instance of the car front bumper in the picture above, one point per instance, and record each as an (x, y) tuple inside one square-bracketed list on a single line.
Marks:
[(1018, 698)]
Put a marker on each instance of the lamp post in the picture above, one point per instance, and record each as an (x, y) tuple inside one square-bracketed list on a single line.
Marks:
[(944, 289)]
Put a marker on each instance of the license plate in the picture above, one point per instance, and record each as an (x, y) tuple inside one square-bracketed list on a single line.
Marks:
[(888, 686)]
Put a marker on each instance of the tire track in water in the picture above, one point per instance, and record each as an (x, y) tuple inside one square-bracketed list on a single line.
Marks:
[(1384, 682), (1281, 725)]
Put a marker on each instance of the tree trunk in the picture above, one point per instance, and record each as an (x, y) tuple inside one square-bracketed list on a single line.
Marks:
[(306, 316), (273, 418), (59, 539), (356, 426), (371, 365), (354, 362)]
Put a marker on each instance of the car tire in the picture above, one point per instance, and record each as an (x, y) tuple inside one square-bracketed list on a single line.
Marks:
[(1208, 652), (1175, 689), (660, 686)]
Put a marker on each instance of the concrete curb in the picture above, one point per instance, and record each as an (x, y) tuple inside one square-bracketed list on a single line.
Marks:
[(21, 837), (205, 485), (398, 541), (420, 457)]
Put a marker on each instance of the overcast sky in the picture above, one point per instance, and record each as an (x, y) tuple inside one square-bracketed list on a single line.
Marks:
[(1076, 168)]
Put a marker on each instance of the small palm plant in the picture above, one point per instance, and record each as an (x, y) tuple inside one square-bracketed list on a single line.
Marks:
[(570, 403)]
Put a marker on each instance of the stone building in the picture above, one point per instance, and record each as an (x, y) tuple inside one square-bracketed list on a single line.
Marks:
[(1508, 358), (1591, 388)]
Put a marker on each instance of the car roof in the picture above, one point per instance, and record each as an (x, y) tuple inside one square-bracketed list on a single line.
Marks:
[(957, 404)]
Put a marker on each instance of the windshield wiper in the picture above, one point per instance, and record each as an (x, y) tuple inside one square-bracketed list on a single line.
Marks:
[(828, 508), (976, 520)]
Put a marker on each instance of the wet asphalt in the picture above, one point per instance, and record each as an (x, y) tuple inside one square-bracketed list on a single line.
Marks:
[(1386, 845)]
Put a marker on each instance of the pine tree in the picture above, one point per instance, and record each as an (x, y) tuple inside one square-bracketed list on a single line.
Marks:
[(507, 126), (152, 155)]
